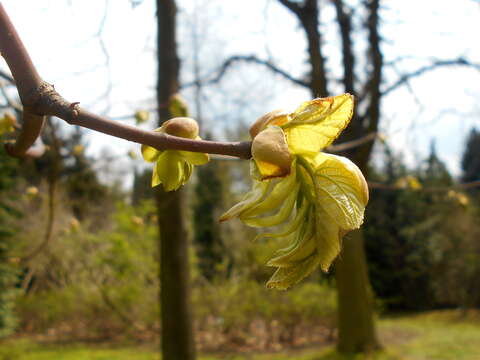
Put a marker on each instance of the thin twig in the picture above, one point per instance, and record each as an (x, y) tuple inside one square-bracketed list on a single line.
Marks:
[(464, 186), (433, 66), (348, 145), (40, 98), (244, 58)]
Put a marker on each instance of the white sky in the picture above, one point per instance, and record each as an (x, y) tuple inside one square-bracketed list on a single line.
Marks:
[(60, 36)]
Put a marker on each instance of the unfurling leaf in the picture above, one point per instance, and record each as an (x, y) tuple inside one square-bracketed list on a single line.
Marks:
[(31, 191), (319, 199), (317, 123), (173, 168)]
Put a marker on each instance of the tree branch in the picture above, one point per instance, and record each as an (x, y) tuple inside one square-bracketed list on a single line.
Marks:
[(40, 98), (7, 77), (345, 25), (404, 79), (348, 145), (251, 59), (463, 186), (295, 8)]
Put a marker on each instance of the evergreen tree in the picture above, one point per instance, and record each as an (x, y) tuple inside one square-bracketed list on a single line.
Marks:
[(142, 186), (471, 158), (399, 229), (436, 173), (208, 194)]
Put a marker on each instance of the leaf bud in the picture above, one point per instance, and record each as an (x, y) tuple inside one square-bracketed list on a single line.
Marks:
[(181, 126), (271, 154), (275, 117)]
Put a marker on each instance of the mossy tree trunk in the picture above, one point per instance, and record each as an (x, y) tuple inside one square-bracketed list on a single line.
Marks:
[(356, 325)]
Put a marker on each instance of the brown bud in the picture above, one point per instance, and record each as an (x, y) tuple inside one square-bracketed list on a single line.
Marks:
[(275, 117), (182, 127), (271, 154)]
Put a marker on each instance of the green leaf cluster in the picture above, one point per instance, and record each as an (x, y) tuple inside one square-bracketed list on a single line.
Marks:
[(317, 197)]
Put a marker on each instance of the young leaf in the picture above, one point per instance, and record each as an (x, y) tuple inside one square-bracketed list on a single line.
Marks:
[(342, 191), (317, 123)]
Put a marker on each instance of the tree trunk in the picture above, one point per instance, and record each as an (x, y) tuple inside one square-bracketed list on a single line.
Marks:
[(177, 342), (356, 326), (355, 297), (177, 333)]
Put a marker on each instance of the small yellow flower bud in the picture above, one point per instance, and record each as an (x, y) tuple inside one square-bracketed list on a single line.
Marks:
[(7, 123), (31, 191), (74, 224), (141, 116), (137, 221), (10, 119), (78, 150)]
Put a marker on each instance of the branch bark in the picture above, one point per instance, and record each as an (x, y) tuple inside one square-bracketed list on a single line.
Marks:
[(40, 98), (308, 16), (345, 25)]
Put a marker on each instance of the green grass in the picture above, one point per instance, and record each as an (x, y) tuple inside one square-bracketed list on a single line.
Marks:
[(435, 335)]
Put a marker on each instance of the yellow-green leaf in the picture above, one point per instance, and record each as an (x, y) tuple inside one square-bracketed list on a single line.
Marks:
[(317, 123), (341, 189), (281, 189), (277, 218), (195, 158), (327, 238), (303, 245), (150, 154), (169, 171), (252, 198), (291, 227), (286, 277)]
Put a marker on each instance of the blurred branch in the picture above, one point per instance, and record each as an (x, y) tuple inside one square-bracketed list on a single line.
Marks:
[(121, 315), (464, 186), (404, 79), (308, 15), (250, 59), (52, 185), (348, 145), (293, 7), (10, 102), (40, 98), (345, 24), (7, 77)]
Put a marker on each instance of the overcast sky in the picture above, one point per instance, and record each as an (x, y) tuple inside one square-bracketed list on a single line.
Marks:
[(117, 74)]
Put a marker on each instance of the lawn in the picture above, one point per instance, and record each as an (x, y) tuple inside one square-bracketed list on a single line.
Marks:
[(434, 335)]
